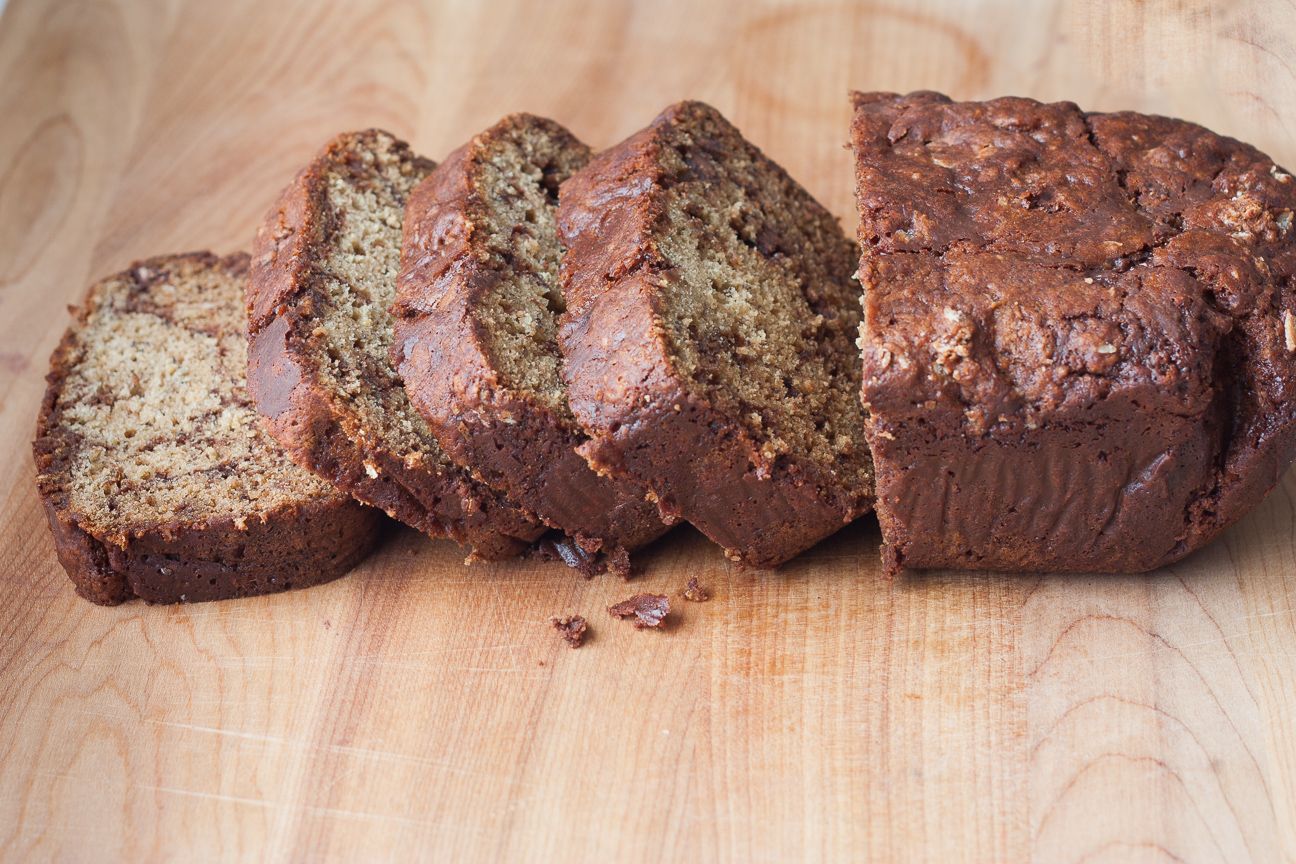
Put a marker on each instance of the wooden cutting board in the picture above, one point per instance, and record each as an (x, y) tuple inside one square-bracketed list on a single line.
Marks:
[(423, 711)]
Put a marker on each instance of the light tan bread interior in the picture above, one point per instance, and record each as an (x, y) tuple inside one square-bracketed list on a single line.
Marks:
[(353, 335), (518, 174), (157, 402), (768, 338)]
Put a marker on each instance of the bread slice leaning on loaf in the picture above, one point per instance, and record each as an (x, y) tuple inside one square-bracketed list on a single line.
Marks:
[(477, 312), (324, 269), (710, 337), (156, 475)]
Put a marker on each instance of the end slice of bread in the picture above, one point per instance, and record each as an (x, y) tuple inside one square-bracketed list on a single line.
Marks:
[(156, 475), (710, 336), (323, 278), (478, 303)]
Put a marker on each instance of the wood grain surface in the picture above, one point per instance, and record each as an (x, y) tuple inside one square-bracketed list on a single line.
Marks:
[(419, 710)]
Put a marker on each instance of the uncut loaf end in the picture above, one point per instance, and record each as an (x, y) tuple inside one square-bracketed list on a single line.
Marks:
[(1079, 348)]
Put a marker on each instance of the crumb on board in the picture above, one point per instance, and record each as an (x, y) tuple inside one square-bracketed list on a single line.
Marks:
[(557, 546), (572, 628), (695, 593), (647, 610)]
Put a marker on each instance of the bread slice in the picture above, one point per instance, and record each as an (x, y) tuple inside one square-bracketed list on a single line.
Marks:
[(709, 337), (477, 311), (156, 475), (323, 277)]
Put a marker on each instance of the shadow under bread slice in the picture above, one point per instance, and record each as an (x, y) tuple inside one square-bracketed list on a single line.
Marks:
[(477, 311), (323, 277), (710, 337), (156, 475)]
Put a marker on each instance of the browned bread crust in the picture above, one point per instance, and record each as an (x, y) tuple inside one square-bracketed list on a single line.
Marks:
[(308, 534), (1078, 336), (295, 366), (685, 427), (472, 271)]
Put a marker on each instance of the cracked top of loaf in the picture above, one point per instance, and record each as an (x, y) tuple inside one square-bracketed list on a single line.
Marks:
[(1056, 254)]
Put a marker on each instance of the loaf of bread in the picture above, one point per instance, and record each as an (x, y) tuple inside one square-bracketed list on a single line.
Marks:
[(1079, 350), (710, 335), (323, 280), (155, 473), (477, 309)]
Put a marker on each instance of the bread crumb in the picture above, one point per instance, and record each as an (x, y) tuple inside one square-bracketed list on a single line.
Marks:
[(694, 592), (572, 628), (647, 610)]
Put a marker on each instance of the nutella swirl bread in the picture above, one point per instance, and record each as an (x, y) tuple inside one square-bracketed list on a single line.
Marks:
[(156, 475), (477, 309), (324, 270), (710, 337), (1079, 349)]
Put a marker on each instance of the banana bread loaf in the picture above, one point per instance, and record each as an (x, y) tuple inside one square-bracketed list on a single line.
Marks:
[(324, 270), (156, 475), (477, 311), (709, 337), (1078, 335)]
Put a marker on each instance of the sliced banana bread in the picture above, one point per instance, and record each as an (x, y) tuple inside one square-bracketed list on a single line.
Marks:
[(156, 475), (324, 272), (709, 337), (477, 309)]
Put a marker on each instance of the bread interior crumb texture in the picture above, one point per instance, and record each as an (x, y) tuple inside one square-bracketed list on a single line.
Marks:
[(516, 213), (367, 191), (759, 308), (156, 400)]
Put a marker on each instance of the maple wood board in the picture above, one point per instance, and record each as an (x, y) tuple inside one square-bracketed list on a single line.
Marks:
[(419, 710)]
